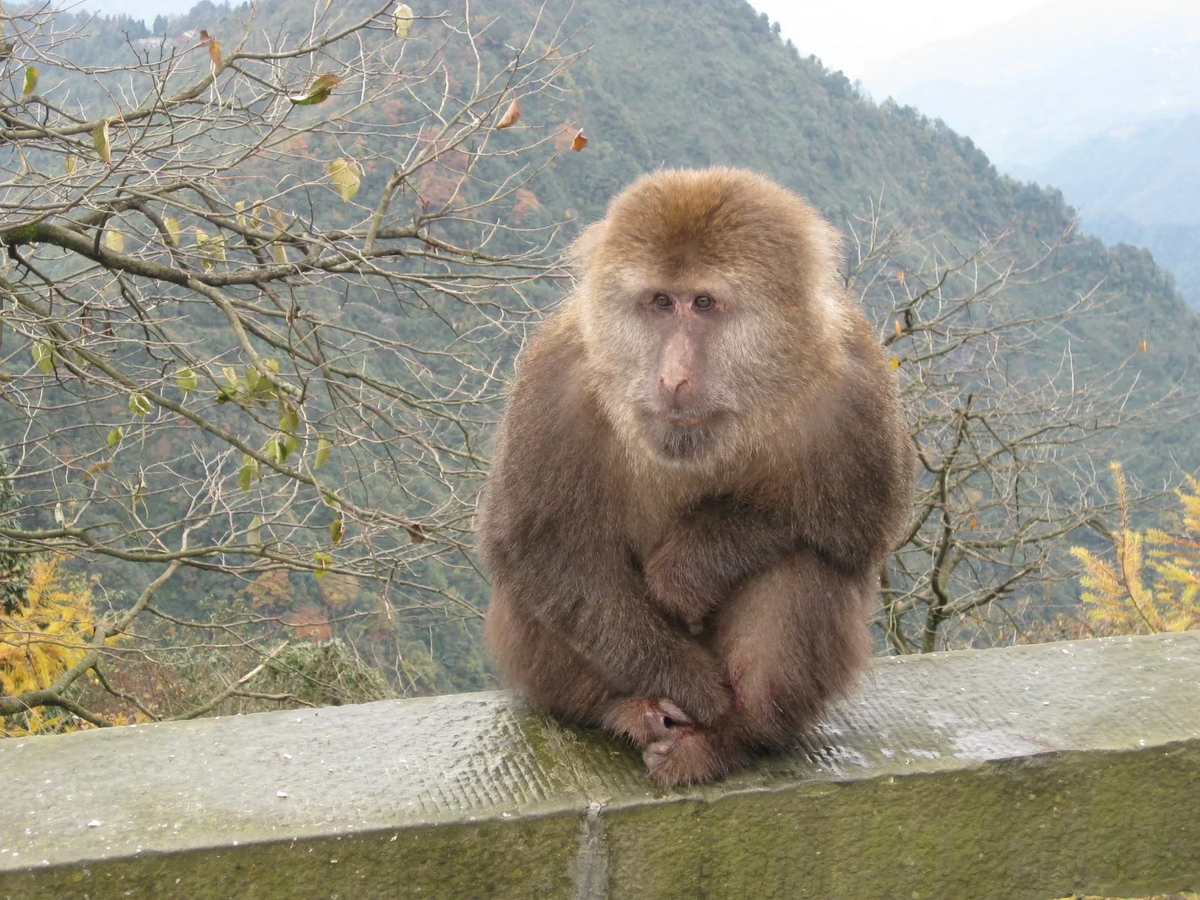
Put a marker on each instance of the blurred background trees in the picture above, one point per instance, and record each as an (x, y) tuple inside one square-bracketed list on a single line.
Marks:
[(253, 286), (266, 269)]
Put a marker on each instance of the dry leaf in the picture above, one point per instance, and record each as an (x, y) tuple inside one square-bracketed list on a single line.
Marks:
[(579, 142), (511, 115)]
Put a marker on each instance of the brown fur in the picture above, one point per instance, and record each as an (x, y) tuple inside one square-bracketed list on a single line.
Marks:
[(689, 503)]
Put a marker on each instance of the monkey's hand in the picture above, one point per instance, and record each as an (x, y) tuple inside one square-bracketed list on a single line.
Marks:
[(697, 685), (671, 578), (709, 551)]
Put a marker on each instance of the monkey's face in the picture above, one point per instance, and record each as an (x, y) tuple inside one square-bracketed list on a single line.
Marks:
[(708, 309), (681, 364)]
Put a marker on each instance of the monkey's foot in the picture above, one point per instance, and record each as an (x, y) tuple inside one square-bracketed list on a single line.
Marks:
[(644, 720), (687, 755)]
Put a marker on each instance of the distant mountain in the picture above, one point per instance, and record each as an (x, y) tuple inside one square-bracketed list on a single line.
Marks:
[(1029, 88), (1140, 185)]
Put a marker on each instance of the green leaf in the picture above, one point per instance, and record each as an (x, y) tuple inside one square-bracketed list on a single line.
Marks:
[(69, 163), (114, 240), (335, 531), (185, 379), (318, 91), (345, 177), (322, 457), (43, 357), (248, 472), (100, 140), (115, 435), (139, 405), (323, 561), (31, 80), (254, 532), (402, 19), (289, 419)]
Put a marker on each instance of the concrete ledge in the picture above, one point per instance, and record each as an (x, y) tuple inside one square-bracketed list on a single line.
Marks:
[(1023, 773)]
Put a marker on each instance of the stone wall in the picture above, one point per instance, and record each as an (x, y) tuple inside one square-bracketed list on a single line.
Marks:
[(1029, 772)]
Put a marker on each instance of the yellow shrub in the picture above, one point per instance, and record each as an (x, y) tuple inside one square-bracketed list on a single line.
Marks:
[(1152, 583), (44, 638)]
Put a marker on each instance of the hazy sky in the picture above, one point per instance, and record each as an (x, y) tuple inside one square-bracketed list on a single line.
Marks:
[(849, 38)]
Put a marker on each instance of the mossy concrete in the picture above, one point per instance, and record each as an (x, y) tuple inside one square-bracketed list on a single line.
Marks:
[(1031, 772)]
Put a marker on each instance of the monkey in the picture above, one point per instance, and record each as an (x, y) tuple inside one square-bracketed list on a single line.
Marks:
[(700, 470)]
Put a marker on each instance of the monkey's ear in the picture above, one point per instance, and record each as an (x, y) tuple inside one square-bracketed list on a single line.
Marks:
[(583, 248)]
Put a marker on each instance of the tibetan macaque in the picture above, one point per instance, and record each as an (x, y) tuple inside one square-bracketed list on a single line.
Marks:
[(701, 469)]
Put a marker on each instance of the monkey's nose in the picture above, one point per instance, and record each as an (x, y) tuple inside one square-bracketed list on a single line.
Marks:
[(674, 391)]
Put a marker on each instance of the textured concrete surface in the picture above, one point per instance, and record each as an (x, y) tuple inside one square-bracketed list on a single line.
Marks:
[(1023, 773)]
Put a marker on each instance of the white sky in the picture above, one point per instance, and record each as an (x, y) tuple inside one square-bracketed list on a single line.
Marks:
[(858, 38)]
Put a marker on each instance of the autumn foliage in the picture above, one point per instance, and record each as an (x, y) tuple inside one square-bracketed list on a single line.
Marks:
[(42, 639), (1152, 581)]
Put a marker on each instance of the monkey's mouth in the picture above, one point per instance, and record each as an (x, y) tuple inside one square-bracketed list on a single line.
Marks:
[(681, 434), (686, 420)]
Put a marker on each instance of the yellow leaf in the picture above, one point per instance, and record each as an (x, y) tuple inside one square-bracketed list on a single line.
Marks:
[(511, 115), (402, 18), (31, 80), (114, 240), (336, 530), (70, 163), (894, 363), (173, 229), (323, 448), (899, 330), (100, 140), (139, 405), (186, 380), (345, 177)]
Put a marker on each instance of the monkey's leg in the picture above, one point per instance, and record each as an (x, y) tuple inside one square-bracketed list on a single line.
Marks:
[(793, 640), (554, 679)]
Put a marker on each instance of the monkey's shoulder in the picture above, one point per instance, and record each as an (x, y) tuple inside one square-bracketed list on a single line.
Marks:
[(553, 438)]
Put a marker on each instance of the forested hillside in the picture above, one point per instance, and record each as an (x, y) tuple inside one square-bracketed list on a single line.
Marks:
[(979, 284)]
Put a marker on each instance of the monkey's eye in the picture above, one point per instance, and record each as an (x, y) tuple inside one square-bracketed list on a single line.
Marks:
[(662, 301), (703, 302)]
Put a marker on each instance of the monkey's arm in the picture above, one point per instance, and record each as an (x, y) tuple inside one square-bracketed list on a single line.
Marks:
[(589, 596), (551, 533), (712, 549)]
